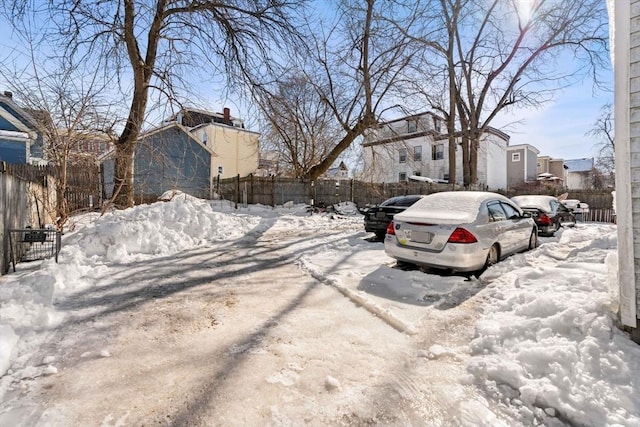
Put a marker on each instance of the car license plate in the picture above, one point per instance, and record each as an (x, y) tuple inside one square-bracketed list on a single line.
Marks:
[(381, 214), (420, 237)]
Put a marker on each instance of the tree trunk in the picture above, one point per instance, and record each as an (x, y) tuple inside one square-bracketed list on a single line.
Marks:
[(474, 143), (466, 162), (123, 176), (363, 124)]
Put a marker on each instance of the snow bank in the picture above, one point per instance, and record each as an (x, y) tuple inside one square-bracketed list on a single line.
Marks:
[(142, 232), (548, 345)]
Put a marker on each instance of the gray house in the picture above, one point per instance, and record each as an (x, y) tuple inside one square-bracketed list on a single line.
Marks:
[(166, 158), (522, 164)]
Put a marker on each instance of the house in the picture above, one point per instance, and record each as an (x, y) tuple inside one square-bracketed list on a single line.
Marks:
[(189, 151), (21, 140), (85, 147), (579, 173), (522, 164), (268, 163), (417, 146), (625, 22), (338, 172), (552, 170)]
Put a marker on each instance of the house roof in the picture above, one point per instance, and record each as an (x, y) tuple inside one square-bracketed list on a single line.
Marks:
[(523, 146), (498, 133), (19, 117), (579, 165), (413, 116)]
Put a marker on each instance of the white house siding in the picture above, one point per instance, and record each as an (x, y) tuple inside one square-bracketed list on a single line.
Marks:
[(382, 163), (627, 133), (578, 181), (495, 161), (382, 147)]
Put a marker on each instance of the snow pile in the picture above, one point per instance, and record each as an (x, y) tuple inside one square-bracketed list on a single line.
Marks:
[(547, 344), (142, 232), (182, 223)]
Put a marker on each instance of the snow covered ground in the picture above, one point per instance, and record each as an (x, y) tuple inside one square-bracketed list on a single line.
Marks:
[(533, 341)]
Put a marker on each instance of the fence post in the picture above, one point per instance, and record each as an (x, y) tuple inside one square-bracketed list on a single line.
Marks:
[(351, 191), (250, 195), (237, 189), (273, 191)]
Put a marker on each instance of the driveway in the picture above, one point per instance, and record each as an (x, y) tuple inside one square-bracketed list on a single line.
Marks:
[(241, 333)]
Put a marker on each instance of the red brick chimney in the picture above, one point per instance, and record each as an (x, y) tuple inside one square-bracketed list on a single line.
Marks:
[(226, 115)]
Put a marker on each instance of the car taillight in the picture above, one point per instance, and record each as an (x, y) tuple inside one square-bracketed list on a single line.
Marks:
[(461, 235), (544, 219), (391, 229)]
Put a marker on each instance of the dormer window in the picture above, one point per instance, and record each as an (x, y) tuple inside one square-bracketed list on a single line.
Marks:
[(204, 137), (412, 126), (436, 124)]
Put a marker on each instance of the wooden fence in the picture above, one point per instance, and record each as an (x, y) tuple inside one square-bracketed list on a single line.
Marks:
[(28, 197), (276, 191), (84, 183)]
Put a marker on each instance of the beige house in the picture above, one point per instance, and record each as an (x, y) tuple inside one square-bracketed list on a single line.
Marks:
[(234, 149), (550, 167)]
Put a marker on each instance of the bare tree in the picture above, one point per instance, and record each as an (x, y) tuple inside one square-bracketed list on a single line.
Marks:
[(72, 113), (502, 55), (299, 126), (354, 66), (603, 132), (152, 46)]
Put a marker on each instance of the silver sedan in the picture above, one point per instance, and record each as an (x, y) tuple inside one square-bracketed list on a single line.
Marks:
[(462, 231)]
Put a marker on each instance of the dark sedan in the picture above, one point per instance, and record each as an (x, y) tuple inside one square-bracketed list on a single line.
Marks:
[(548, 213), (377, 218)]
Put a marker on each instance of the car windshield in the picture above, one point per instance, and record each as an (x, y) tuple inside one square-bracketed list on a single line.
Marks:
[(400, 201)]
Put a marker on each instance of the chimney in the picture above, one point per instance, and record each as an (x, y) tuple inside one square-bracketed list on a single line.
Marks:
[(226, 115), (8, 94)]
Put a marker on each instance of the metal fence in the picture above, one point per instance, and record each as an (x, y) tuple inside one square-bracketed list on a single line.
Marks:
[(30, 244)]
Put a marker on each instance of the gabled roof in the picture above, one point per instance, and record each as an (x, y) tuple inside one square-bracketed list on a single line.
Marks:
[(579, 165), (17, 116)]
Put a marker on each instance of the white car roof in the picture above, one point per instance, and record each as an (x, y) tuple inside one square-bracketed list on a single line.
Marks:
[(448, 207)]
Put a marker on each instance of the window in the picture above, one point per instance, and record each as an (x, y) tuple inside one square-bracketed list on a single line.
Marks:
[(403, 155), (402, 176), (417, 153), (515, 157), (204, 137), (412, 126), (437, 152), (496, 213), (511, 212), (436, 124)]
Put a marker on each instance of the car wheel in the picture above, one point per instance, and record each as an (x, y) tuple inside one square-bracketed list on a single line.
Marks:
[(533, 239), (492, 257)]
